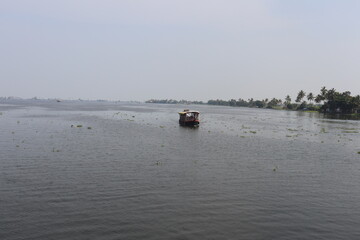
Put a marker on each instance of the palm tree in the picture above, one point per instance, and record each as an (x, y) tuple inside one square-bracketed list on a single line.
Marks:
[(318, 98), (300, 96), (330, 94), (310, 97), (323, 92), (287, 100)]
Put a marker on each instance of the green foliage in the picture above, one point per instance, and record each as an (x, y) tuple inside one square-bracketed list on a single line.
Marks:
[(292, 130), (292, 106), (323, 130), (302, 106), (273, 103), (287, 100), (336, 102), (348, 131), (300, 96), (310, 97), (243, 103), (332, 102), (172, 101), (259, 104)]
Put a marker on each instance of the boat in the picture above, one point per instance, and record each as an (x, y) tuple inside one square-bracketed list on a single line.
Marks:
[(189, 118)]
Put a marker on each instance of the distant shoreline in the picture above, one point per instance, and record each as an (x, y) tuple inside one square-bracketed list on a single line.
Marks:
[(327, 101)]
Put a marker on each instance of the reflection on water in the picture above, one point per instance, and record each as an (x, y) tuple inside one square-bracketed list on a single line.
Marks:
[(343, 116), (131, 172), (195, 127)]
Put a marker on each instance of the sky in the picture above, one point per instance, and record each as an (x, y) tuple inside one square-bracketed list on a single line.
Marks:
[(135, 50)]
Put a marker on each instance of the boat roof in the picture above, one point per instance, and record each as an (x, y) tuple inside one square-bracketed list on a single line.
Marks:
[(189, 112)]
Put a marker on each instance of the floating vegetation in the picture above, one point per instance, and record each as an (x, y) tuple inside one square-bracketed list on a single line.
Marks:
[(162, 126), (88, 127), (1, 113), (162, 145), (349, 131), (323, 130), (359, 152), (289, 136), (158, 163), (55, 150), (79, 126), (17, 146), (345, 128), (292, 130), (254, 132), (242, 136), (18, 122)]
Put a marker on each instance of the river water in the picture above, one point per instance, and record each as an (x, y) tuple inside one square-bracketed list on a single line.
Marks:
[(94, 170)]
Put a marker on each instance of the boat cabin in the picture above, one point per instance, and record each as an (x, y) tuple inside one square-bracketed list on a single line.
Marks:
[(189, 118)]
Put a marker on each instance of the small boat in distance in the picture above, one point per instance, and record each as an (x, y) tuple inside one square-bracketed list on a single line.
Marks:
[(189, 118)]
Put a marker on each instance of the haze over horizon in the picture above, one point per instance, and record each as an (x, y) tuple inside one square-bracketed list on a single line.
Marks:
[(194, 50)]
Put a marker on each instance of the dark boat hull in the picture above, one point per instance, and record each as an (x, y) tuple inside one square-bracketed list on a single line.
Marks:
[(189, 123)]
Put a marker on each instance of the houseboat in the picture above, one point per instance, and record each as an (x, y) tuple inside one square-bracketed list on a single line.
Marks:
[(189, 118)]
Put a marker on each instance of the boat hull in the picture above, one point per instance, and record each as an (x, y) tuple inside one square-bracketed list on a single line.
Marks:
[(189, 123)]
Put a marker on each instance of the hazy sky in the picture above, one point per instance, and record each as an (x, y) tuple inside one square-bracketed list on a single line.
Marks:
[(188, 49)]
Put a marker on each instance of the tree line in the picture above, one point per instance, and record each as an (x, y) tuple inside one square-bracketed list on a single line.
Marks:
[(265, 103), (172, 101), (326, 101)]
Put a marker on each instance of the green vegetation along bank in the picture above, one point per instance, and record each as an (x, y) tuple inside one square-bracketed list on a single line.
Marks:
[(327, 101)]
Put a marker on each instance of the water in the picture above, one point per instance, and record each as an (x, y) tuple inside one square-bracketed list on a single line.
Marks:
[(131, 172)]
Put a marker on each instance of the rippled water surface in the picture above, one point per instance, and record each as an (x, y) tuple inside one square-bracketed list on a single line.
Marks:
[(89, 170)]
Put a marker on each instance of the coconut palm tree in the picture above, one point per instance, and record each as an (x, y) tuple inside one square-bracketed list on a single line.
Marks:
[(287, 100), (323, 92), (310, 97), (300, 96)]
